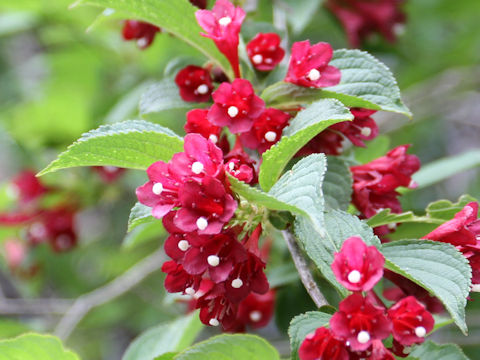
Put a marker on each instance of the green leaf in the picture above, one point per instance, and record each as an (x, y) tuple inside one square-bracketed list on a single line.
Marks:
[(432, 351), (166, 356), (143, 233), (134, 144), (301, 12), (302, 325), (445, 209), (10, 328), (438, 267), (231, 347), (140, 214), (161, 96), (176, 17), (320, 247), (376, 148), (35, 347), (337, 185), (308, 123), (365, 82), (169, 337), (442, 169)]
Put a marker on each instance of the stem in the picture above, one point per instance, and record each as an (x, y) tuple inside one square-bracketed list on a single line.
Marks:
[(303, 270)]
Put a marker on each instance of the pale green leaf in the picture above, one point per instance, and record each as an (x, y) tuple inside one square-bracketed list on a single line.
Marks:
[(140, 214), (308, 123), (432, 351), (337, 185), (134, 144), (143, 233), (302, 325), (438, 267)]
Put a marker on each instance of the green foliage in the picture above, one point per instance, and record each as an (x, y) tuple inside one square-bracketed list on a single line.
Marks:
[(337, 185), (308, 123), (35, 347), (301, 12), (134, 144), (231, 347), (365, 82), (169, 337), (176, 17), (142, 233), (302, 325), (139, 215), (438, 267), (432, 351)]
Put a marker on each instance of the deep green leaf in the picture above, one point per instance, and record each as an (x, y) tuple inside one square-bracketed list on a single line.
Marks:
[(365, 82), (432, 351), (337, 185), (302, 325), (320, 247), (161, 96), (140, 214), (231, 347), (438, 267), (35, 347), (170, 337), (308, 123), (134, 144), (176, 17)]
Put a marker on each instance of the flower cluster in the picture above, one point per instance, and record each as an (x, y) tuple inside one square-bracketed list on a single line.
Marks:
[(362, 18), (357, 329)]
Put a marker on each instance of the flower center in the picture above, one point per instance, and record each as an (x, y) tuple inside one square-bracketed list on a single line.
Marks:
[(213, 138), (224, 21), (354, 276), (183, 245), (313, 75), (202, 223), (190, 291), (420, 331), (366, 131), (270, 136), (202, 89), (257, 59), (255, 316), (363, 337), (157, 188), (197, 167), (214, 322), (213, 260), (232, 111), (237, 283)]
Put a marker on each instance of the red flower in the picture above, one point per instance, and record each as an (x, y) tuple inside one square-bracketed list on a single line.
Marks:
[(15, 253), (362, 128), (197, 122), (359, 322), (205, 206), (194, 83), (215, 309), (357, 266), (361, 18), (177, 279), (374, 184), (266, 130), (322, 345), (309, 65), (222, 24), (236, 106), (377, 351), (108, 174), (239, 164), (411, 322), (27, 187), (463, 229), (256, 310), (141, 31), (328, 142), (201, 4), (265, 52)]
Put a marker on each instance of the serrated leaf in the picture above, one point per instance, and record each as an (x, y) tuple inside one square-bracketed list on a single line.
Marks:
[(365, 82), (302, 325), (386, 216), (231, 347), (162, 95), (308, 123), (35, 347), (432, 351), (176, 17), (169, 337), (337, 185), (438, 267), (445, 209), (140, 214), (134, 144)]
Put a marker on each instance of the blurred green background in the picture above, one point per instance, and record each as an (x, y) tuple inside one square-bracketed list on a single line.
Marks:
[(58, 80)]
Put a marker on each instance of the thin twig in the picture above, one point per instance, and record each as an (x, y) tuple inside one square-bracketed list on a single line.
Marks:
[(34, 306), (303, 270), (108, 292)]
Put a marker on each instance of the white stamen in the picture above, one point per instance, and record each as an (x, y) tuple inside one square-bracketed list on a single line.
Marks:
[(363, 337), (354, 276), (183, 245), (232, 111), (224, 21), (476, 287), (231, 166), (190, 291), (366, 131), (214, 322), (202, 89), (257, 59), (157, 188), (213, 260), (268, 60), (313, 75), (110, 169), (197, 167), (255, 316), (237, 283), (392, 226), (399, 29), (202, 223), (213, 138), (142, 42), (270, 136), (38, 230), (420, 331)]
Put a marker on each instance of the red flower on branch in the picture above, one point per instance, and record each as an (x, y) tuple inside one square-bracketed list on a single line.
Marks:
[(141, 31), (264, 51), (197, 122), (26, 187), (194, 83), (322, 345), (309, 65)]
